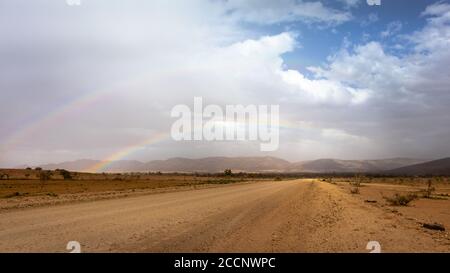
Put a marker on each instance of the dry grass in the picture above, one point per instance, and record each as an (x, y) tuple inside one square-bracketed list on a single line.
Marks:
[(27, 183), (401, 199)]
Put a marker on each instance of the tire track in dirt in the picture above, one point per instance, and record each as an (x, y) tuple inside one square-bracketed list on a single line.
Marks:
[(286, 216)]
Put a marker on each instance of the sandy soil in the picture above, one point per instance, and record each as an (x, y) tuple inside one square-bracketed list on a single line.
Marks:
[(26, 193), (418, 212), (127, 190), (287, 216)]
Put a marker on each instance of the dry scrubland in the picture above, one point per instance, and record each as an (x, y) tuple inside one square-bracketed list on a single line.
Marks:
[(30, 188), (421, 200), (222, 212)]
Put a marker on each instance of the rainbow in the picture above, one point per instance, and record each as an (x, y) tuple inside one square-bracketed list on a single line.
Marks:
[(57, 116), (122, 153), (126, 152)]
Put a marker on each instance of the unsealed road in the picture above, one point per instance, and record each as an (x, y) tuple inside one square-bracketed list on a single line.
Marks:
[(286, 216)]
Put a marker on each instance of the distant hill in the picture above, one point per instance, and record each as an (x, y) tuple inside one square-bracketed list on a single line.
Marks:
[(218, 164), (435, 167), (339, 166), (244, 164), (77, 165), (84, 164)]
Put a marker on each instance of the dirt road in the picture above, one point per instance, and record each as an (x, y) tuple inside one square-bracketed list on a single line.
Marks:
[(286, 216)]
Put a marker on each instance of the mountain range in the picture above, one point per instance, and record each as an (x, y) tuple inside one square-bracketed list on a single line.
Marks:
[(250, 164), (435, 167)]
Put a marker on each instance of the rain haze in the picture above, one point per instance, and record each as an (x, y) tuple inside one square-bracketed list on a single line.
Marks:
[(352, 81)]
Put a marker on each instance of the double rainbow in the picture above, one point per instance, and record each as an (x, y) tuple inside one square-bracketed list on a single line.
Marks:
[(59, 114)]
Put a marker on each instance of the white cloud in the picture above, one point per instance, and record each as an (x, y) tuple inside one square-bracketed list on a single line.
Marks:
[(410, 92), (351, 3), (150, 61), (270, 12), (371, 18), (341, 135), (321, 91), (435, 36), (368, 66), (392, 29), (436, 9)]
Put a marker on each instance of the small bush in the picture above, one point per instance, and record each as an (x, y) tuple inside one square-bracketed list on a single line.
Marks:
[(330, 180), (14, 194), (219, 181), (354, 190), (401, 200), (4, 177), (357, 181), (224, 181), (65, 174), (45, 175), (430, 189)]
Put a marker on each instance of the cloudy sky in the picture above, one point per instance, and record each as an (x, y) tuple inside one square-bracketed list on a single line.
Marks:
[(99, 80)]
